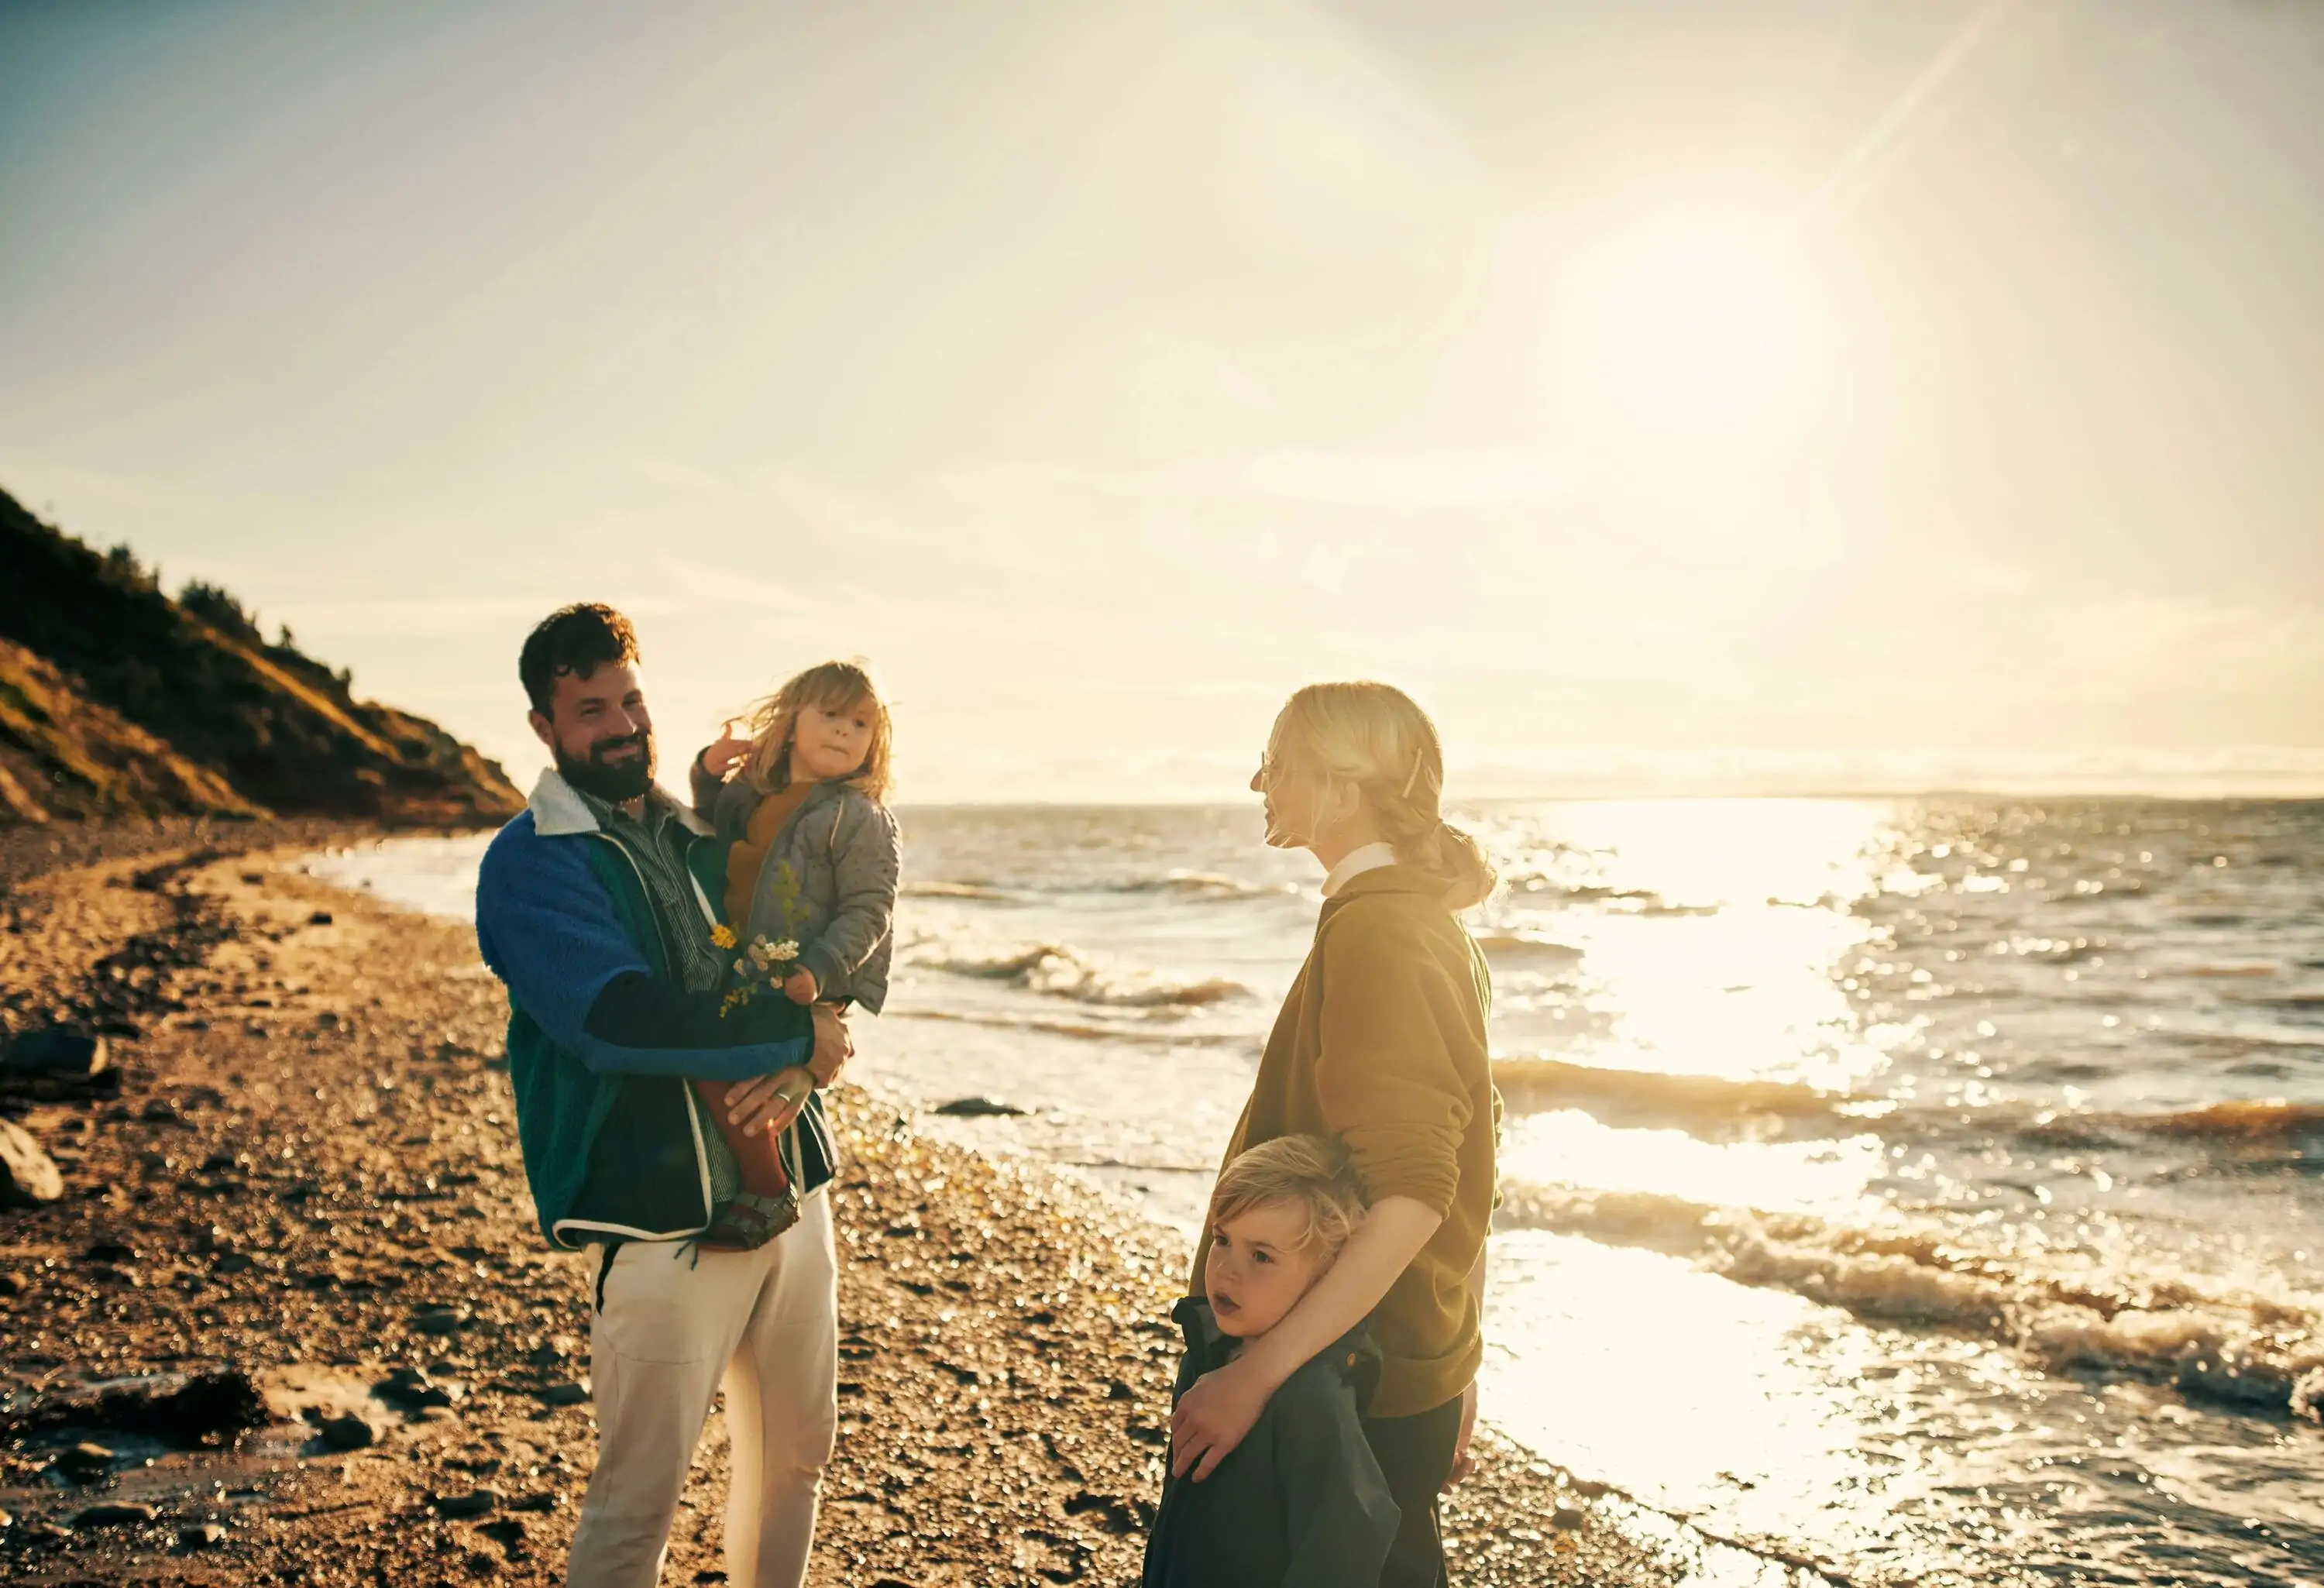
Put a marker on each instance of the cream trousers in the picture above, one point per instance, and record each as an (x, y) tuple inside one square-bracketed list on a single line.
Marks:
[(673, 1323)]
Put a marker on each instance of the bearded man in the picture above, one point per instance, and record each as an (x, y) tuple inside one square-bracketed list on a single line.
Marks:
[(594, 908)]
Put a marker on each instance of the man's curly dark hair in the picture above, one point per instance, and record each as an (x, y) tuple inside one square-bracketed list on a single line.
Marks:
[(578, 639)]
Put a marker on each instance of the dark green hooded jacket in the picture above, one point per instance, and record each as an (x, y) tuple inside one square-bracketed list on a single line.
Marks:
[(1300, 1503)]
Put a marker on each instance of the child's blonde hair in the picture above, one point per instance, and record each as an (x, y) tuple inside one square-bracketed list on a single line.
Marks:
[(1374, 736), (834, 685), (1310, 1172)]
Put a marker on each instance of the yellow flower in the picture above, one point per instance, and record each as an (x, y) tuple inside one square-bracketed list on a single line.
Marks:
[(723, 936)]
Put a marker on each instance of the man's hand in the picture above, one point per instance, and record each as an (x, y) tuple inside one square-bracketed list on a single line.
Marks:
[(1215, 1417), (1464, 1464), (833, 1047), (770, 1103), (799, 987)]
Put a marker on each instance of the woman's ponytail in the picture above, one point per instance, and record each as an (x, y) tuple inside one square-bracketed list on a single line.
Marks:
[(1448, 852), (1377, 737)]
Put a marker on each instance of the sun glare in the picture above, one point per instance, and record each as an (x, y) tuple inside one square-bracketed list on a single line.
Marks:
[(1705, 325)]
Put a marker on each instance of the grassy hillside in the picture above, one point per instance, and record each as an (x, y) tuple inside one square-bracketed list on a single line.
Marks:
[(116, 700)]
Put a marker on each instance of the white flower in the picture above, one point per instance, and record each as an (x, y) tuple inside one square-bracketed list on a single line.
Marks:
[(784, 952)]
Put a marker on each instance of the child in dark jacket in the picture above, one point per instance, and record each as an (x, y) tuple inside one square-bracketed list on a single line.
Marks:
[(1300, 1503), (810, 883)]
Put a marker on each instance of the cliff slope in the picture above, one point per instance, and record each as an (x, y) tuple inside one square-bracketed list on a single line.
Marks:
[(116, 700)]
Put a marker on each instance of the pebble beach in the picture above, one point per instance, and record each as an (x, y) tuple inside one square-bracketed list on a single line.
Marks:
[(283, 1316)]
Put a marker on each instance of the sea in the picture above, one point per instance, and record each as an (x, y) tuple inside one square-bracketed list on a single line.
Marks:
[(1930, 1189)]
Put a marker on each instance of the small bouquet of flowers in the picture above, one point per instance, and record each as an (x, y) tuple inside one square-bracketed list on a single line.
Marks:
[(767, 963), (762, 966)]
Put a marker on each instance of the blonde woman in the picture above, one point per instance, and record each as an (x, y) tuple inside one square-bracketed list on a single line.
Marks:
[(1381, 1044)]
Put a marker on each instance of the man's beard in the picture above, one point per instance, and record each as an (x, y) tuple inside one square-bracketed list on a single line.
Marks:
[(616, 785)]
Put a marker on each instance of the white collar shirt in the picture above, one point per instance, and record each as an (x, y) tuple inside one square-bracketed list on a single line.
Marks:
[(1355, 863)]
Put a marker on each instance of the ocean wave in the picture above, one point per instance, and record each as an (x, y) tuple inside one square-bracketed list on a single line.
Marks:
[(1703, 1105), (1716, 1108), (1058, 971), (2247, 1035), (954, 891), (1591, 892), (1091, 1030), (1522, 950), (2242, 1120), (1525, 888), (1186, 885), (1176, 884), (2246, 1123), (2295, 1003), (2238, 1346)]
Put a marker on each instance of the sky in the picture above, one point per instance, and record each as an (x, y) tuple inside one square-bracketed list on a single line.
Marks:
[(1824, 394)]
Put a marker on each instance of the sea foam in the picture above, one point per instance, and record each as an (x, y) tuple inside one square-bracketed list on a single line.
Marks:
[(2223, 1343), (1720, 1109), (1061, 971)]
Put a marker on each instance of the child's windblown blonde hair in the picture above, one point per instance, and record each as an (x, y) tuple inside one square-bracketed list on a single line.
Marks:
[(1308, 1172), (1377, 737), (834, 685)]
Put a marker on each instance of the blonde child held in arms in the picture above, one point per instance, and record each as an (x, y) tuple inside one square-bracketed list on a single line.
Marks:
[(810, 886), (1301, 1503)]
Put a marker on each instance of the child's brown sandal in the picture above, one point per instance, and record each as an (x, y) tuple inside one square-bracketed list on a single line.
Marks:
[(748, 1221)]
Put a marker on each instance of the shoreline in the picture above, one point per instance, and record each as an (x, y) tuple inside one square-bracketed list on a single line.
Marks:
[(308, 1176)]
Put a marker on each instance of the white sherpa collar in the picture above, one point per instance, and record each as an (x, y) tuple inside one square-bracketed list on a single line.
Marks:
[(558, 811)]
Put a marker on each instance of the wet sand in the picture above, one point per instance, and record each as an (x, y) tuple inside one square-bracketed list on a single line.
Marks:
[(300, 1175)]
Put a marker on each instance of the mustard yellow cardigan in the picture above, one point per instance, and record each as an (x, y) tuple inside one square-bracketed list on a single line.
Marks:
[(1381, 1043)]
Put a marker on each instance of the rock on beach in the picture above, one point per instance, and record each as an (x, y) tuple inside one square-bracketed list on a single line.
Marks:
[(350, 1431), (29, 1176), (57, 1051), (978, 1108), (476, 1502)]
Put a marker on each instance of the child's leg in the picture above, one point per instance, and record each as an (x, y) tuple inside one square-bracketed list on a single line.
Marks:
[(754, 1151)]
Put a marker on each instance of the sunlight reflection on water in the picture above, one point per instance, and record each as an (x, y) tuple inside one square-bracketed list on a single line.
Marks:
[(1707, 931), (1946, 1025), (1686, 1390), (1830, 1178)]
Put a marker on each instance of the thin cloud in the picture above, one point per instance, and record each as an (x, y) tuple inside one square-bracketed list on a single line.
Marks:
[(1451, 480)]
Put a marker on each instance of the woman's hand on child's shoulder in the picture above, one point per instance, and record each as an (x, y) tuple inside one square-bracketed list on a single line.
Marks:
[(1215, 1414)]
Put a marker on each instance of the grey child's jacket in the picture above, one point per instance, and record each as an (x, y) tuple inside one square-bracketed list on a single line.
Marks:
[(838, 858)]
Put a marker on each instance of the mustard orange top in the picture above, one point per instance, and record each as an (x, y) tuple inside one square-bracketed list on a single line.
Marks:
[(1381, 1043), (749, 852)]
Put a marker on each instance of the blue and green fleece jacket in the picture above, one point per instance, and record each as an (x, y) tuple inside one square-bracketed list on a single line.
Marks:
[(602, 1037)]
